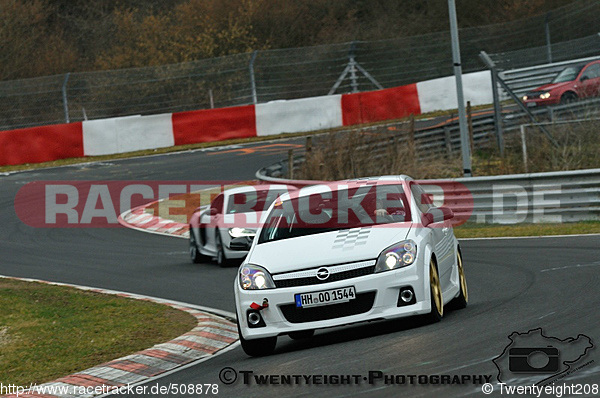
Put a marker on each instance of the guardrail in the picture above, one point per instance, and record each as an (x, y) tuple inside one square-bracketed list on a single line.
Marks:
[(539, 197), (586, 109), (554, 197)]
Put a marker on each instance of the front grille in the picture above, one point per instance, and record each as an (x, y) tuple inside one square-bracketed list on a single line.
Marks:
[(313, 280), (361, 304)]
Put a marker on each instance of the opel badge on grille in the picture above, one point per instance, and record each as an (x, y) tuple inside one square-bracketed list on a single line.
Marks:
[(322, 274)]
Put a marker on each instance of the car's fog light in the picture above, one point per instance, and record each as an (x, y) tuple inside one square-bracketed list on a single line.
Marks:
[(406, 295), (254, 318)]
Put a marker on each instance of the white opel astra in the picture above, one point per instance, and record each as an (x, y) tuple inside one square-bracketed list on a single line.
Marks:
[(346, 252)]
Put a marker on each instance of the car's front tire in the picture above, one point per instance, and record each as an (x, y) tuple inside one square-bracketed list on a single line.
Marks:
[(568, 98), (195, 254), (257, 347), (221, 257), (435, 293), (462, 299)]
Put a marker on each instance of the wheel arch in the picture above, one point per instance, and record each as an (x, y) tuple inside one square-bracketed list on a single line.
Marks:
[(569, 92)]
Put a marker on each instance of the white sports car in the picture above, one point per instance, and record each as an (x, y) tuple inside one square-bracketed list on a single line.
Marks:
[(345, 252), (232, 214)]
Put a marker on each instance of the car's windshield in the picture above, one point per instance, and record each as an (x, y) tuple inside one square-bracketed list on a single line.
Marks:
[(358, 207), (252, 200), (568, 74)]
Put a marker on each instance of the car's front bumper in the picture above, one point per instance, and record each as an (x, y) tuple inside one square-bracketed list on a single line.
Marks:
[(282, 317), (538, 102)]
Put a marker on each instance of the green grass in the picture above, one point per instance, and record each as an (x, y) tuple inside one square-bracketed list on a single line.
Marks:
[(472, 230), (51, 331)]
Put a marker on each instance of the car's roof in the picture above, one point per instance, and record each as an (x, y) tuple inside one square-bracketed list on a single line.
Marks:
[(260, 187), (351, 183)]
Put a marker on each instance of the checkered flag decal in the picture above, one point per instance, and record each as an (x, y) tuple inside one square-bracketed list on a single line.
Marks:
[(349, 238)]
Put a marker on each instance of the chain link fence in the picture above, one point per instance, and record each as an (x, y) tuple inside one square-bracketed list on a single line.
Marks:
[(263, 76)]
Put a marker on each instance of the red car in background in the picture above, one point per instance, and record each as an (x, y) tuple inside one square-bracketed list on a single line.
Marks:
[(574, 82)]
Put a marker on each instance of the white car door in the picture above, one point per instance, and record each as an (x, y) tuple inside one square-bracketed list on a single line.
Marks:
[(441, 233)]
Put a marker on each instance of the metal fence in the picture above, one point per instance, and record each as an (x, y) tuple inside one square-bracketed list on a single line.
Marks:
[(268, 75), (588, 46)]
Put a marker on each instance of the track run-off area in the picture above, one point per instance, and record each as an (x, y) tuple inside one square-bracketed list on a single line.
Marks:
[(515, 285)]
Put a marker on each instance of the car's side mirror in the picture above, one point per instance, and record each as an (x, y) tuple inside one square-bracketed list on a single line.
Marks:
[(241, 243), (437, 214), (583, 78), (213, 212)]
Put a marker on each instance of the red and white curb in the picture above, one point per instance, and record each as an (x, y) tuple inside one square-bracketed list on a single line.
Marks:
[(137, 218), (213, 334)]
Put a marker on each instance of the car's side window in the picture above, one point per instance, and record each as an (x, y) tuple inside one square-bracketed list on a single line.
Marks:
[(217, 204), (423, 200), (592, 72)]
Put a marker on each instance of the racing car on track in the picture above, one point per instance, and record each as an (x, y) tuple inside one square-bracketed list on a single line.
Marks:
[(213, 227), (572, 83), (346, 252)]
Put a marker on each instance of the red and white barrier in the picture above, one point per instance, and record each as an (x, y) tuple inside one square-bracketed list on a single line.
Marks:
[(133, 133), (127, 134), (41, 144), (306, 114), (214, 125), (375, 106), (440, 94)]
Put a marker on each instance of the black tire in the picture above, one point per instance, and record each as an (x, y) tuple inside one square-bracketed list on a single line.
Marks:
[(195, 254), (462, 299), (221, 256), (568, 98), (303, 334), (257, 347), (435, 293)]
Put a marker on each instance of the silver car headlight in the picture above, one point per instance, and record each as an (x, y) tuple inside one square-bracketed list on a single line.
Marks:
[(236, 232), (399, 255), (254, 277)]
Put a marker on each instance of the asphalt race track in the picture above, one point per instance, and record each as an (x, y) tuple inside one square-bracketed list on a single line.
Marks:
[(515, 285)]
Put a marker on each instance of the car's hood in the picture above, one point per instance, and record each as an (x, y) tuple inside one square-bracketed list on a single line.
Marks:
[(327, 248), (552, 86)]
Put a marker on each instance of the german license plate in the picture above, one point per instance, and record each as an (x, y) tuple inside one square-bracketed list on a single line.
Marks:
[(531, 104), (325, 297)]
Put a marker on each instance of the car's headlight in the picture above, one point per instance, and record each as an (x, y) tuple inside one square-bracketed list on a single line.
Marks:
[(396, 256), (545, 95), (525, 98), (236, 232), (253, 277)]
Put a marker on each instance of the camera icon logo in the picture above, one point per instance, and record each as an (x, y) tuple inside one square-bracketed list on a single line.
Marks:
[(534, 357), (533, 360)]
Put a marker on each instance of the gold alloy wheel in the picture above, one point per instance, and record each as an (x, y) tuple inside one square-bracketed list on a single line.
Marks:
[(463, 279), (436, 290)]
